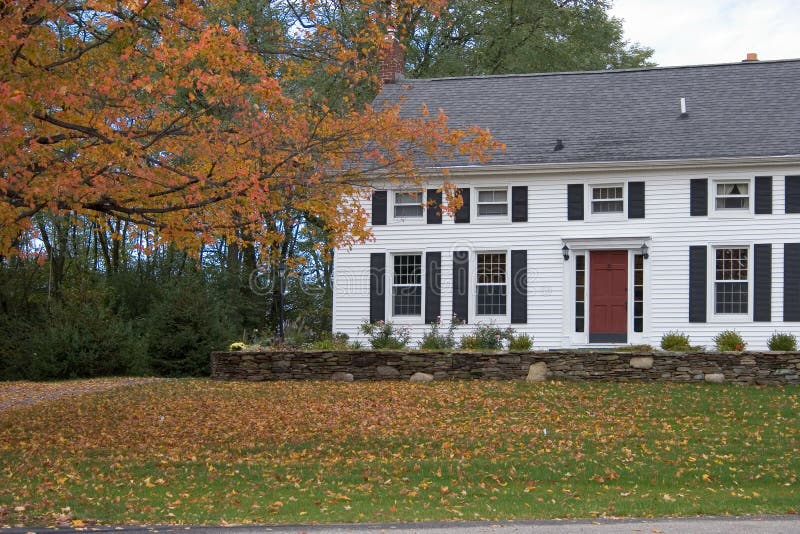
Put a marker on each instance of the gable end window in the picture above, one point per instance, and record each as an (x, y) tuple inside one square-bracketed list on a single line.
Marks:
[(607, 199), (491, 284), (732, 196), (492, 202), (408, 204), (407, 285), (731, 287)]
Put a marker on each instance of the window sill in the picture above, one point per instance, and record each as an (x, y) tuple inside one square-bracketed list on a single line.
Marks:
[(730, 318), (731, 214), (600, 217), (492, 219)]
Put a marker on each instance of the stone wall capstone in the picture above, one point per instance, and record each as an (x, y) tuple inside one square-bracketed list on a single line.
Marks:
[(726, 367)]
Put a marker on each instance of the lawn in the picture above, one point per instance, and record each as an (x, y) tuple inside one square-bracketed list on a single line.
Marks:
[(197, 451)]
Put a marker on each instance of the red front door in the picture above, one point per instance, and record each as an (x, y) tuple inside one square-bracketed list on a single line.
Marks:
[(608, 296)]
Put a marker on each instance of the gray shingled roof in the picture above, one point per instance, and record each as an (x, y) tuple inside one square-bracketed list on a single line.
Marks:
[(741, 109)]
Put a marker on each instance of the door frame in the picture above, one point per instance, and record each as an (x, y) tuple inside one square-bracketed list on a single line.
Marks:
[(584, 246)]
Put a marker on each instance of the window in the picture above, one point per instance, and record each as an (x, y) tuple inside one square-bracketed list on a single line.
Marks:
[(580, 292), (491, 290), (732, 196), (731, 275), (638, 293), (407, 285), (408, 205), (607, 199), (492, 202)]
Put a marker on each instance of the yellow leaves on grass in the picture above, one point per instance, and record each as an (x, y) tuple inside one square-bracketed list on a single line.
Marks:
[(197, 450)]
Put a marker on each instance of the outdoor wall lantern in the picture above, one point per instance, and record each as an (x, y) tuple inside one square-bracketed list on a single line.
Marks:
[(565, 252), (645, 251)]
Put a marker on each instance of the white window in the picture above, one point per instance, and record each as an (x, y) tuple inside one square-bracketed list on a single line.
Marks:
[(608, 199), (407, 285), (491, 284), (731, 281), (408, 204), (732, 195), (492, 202)]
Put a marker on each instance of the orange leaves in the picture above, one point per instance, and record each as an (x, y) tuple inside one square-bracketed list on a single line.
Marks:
[(179, 117)]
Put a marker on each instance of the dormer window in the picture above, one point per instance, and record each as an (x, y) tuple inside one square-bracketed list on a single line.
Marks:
[(732, 196), (492, 202), (408, 204)]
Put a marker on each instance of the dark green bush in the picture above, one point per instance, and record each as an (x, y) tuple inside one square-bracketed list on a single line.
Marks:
[(186, 323), (676, 342), (782, 341), (729, 341)]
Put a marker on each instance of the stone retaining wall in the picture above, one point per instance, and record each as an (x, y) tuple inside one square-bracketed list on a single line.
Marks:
[(744, 368)]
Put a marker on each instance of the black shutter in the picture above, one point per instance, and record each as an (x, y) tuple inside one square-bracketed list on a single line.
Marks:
[(636, 200), (377, 287), (434, 206), (461, 285), (791, 282), (433, 286), (698, 283), (699, 197), (379, 208), (793, 194), (462, 215), (575, 202), (762, 282), (519, 203), (519, 286), (763, 195)]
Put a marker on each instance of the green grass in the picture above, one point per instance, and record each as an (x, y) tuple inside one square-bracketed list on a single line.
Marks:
[(209, 452)]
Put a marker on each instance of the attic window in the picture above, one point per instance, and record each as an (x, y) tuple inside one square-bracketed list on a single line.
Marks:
[(732, 196)]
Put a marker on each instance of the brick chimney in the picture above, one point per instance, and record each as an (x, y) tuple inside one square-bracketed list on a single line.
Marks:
[(392, 60), (751, 57)]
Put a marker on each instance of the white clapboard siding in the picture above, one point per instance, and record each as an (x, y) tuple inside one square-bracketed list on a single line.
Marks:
[(667, 223)]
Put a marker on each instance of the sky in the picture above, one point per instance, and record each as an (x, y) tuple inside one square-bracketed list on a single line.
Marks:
[(692, 32)]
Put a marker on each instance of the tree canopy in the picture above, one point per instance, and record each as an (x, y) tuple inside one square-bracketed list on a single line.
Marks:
[(479, 37), (201, 120)]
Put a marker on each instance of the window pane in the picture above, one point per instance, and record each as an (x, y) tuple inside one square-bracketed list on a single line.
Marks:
[(731, 297), (408, 197), (731, 263), (607, 206), (491, 300), (491, 268), (407, 300), (407, 211), (492, 209), (494, 195), (732, 203)]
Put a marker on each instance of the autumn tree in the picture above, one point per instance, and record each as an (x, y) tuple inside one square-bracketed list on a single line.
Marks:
[(196, 120)]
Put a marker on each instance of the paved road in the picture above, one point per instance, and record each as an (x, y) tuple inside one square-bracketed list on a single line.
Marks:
[(704, 525)]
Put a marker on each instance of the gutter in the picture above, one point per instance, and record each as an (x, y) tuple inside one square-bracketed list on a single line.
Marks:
[(598, 166)]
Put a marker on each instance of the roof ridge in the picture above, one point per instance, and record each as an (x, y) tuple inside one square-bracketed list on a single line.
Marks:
[(592, 72)]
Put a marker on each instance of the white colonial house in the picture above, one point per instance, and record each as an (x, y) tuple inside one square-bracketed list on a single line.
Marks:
[(627, 204)]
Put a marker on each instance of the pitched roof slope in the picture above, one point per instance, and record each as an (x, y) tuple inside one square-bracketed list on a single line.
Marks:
[(734, 110)]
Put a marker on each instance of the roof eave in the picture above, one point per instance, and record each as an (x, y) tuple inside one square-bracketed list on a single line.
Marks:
[(605, 166)]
